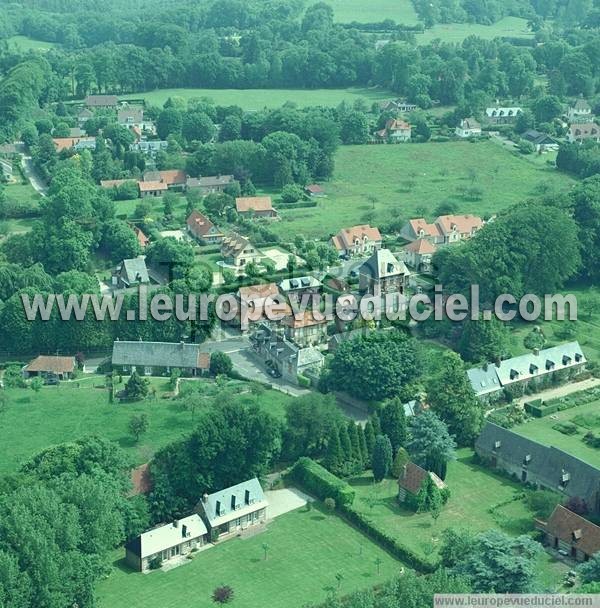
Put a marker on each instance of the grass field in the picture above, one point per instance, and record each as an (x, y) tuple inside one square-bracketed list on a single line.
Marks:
[(257, 99), (512, 27), (34, 421), (375, 184), (587, 418), (401, 11), (23, 43), (306, 551), (479, 501)]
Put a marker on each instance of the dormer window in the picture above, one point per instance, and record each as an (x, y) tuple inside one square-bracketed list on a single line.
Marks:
[(514, 374), (497, 444), (527, 459), (549, 364), (577, 534), (565, 477), (566, 360), (533, 369), (578, 357)]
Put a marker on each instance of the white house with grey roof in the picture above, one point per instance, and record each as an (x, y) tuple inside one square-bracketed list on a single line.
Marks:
[(234, 509), (166, 542), (383, 273), (131, 272), (159, 358), (489, 380), (296, 287)]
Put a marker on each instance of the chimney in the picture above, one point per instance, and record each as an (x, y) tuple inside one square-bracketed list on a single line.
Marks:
[(233, 502), (175, 523), (536, 352), (182, 344), (218, 508), (205, 498), (184, 531), (247, 497)]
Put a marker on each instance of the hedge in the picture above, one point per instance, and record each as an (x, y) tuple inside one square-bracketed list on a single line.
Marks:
[(297, 205), (319, 481)]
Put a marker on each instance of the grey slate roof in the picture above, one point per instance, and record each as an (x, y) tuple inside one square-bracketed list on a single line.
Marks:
[(134, 270), (299, 283), (248, 497), (210, 181), (537, 137), (383, 264), (156, 354), (546, 463)]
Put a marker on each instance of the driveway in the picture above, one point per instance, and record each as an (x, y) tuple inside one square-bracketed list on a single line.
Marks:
[(286, 500), (31, 174), (561, 391)]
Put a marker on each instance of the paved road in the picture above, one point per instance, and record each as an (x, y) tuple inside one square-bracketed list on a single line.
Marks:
[(31, 174)]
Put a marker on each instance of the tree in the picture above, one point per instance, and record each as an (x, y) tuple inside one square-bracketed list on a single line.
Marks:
[(222, 595), (137, 387), (197, 126), (430, 446), (220, 364), (369, 434), (172, 256), (291, 193), (589, 572), (169, 122), (334, 456), (400, 461), (36, 384), (265, 548), (393, 423), (354, 128), (483, 340), (452, 398), (382, 457), (428, 497), (138, 425), (119, 241)]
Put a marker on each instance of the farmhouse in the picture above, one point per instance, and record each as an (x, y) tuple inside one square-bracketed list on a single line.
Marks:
[(358, 240), (130, 272), (412, 478), (159, 358), (468, 127), (395, 131), (533, 463), (382, 273), (210, 184), (583, 132), (255, 206), (152, 188), (580, 111), (491, 379), (165, 542), (446, 229), (202, 229), (238, 251), (101, 101), (419, 255), (50, 366), (501, 115), (541, 141), (234, 509), (570, 534)]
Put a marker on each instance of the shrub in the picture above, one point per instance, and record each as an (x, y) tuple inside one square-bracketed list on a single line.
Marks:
[(566, 428), (155, 563), (303, 381), (319, 481), (330, 504), (222, 595)]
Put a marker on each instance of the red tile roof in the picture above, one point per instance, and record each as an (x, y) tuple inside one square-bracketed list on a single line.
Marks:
[(150, 186), (143, 240), (421, 246), (314, 189), (65, 143), (574, 529), (253, 203), (51, 363), (258, 292), (199, 224), (344, 239), (173, 177), (412, 478), (203, 361), (465, 224)]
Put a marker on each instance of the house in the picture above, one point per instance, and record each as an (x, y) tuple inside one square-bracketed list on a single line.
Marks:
[(541, 141), (166, 542), (76, 132), (296, 288), (202, 229), (468, 127), (211, 184), (152, 188), (238, 251), (83, 116), (174, 178), (159, 358), (419, 255), (382, 273), (490, 380), (412, 478), (544, 467), (397, 105), (149, 147), (261, 303), (289, 359), (395, 131), (51, 366), (580, 111), (583, 132), (142, 239), (502, 115), (358, 240), (130, 116), (314, 191), (304, 329), (234, 509), (130, 272), (75, 143), (570, 534), (101, 101), (446, 229), (255, 206)]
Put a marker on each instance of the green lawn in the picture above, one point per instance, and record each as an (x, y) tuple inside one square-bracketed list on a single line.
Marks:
[(34, 421), (256, 99), (377, 183), (401, 11), (23, 43), (513, 27), (306, 551), (540, 430)]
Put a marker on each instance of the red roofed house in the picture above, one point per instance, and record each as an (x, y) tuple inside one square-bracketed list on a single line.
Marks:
[(51, 366), (570, 534), (257, 206), (445, 229), (411, 480), (395, 131), (358, 240), (314, 190), (419, 253), (304, 330), (76, 143), (583, 132), (174, 178), (148, 188), (201, 228), (143, 240)]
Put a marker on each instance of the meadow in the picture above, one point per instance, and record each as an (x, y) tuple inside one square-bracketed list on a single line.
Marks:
[(376, 184), (24, 43), (479, 500), (400, 11), (34, 421), (306, 549), (257, 99), (512, 27)]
